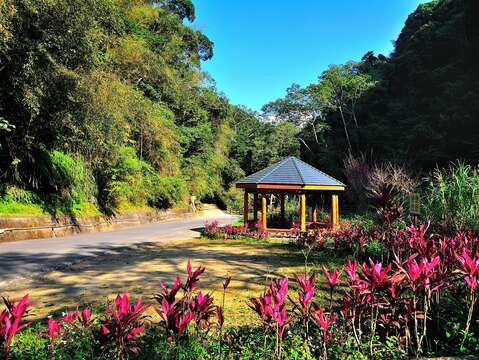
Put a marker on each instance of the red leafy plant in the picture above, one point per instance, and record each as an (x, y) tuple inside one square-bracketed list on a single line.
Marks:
[(213, 230), (401, 297), (469, 268), (11, 321), (314, 237), (271, 308), (324, 320), (177, 310), (69, 323), (123, 324), (350, 238)]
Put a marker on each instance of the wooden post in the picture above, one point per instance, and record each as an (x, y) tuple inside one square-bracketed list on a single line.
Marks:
[(334, 211), (263, 210), (282, 196), (314, 215), (255, 207), (245, 208), (302, 211)]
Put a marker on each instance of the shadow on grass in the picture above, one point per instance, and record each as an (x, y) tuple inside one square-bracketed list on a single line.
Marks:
[(139, 270)]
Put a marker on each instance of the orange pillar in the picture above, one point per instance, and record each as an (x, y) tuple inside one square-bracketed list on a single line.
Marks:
[(263, 210), (245, 207), (255, 207), (314, 209), (334, 211), (302, 211), (282, 196)]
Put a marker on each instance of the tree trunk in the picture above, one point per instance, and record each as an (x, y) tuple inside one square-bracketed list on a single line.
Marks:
[(345, 128)]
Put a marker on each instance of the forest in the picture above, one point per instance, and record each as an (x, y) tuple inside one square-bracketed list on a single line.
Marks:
[(105, 108)]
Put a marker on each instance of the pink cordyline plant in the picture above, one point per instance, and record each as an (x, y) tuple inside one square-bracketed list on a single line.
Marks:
[(350, 238), (54, 329), (332, 278), (70, 317), (70, 320), (271, 307), (423, 277), (212, 229), (11, 321), (215, 230), (177, 312), (354, 302), (374, 279), (203, 309), (469, 267), (174, 319), (85, 317), (324, 321), (193, 277), (123, 324), (306, 291)]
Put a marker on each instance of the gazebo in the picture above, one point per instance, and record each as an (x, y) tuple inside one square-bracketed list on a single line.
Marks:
[(290, 176)]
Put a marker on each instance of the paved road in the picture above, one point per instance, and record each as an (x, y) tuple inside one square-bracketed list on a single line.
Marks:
[(26, 258)]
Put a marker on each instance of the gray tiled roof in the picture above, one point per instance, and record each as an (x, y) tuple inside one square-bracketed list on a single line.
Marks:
[(290, 171)]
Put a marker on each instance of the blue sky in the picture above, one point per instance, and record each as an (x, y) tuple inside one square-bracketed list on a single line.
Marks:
[(263, 46)]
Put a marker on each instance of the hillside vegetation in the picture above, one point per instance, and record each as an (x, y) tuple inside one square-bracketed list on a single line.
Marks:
[(104, 102), (417, 107), (104, 106)]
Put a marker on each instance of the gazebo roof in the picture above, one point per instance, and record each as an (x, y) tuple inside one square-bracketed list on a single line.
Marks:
[(291, 172)]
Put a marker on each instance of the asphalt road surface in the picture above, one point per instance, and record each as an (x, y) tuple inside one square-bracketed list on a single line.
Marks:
[(30, 257)]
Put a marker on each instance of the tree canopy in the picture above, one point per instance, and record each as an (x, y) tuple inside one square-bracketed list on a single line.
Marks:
[(418, 106), (115, 90)]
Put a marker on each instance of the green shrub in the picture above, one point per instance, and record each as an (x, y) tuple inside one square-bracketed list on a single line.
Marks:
[(17, 201), (367, 220), (52, 182), (72, 174), (452, 197), (131, 182), (164, 192), (29, 344), (233, 200)]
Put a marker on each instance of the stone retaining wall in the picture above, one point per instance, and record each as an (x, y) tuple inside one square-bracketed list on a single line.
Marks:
[(15, 228)]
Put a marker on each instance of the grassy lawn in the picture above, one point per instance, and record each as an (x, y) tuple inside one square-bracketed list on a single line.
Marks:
[(139, 270)]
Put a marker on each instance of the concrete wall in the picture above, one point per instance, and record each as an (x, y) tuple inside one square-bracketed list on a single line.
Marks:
[(15, 228)]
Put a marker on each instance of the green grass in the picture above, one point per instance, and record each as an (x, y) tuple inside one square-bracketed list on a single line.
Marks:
[(85, 209), (13, 208)]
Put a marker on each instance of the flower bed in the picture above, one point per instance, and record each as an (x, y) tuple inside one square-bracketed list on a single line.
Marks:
[(213, 230), (418, 300)]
